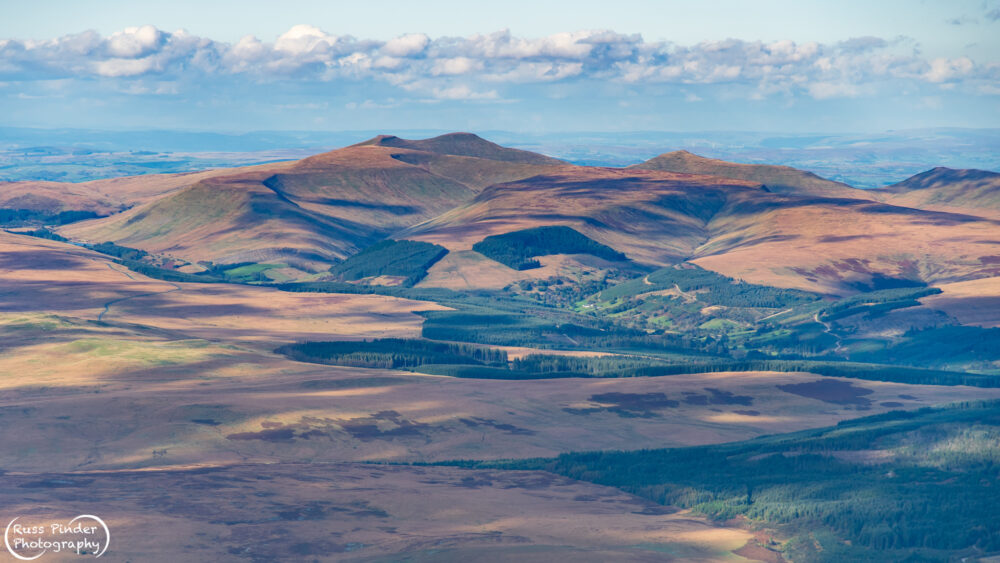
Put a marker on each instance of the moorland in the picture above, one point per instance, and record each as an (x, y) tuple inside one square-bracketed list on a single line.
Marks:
[(447, 349)]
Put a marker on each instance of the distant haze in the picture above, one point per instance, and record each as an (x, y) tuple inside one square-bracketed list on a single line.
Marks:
[(861, 160)]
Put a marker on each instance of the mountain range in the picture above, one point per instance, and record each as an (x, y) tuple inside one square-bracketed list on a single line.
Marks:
[(766, 224), (684, 346)]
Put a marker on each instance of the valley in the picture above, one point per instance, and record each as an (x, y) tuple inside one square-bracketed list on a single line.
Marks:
[(417, 346)]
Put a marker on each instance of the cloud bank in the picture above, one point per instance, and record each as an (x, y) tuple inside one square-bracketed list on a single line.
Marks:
[(493, 67)]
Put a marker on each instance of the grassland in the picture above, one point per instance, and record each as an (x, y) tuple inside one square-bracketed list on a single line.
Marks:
[(367, 512)]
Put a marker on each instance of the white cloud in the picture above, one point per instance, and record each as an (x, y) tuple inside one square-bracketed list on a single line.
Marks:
[(943, 69), (824, 90), (124, 67), (388, 62), (462, 93), (406, 45), (248, 48), (372, 104), (527, 72), (135, 42), (425, 66), (303, 39), (456, 65)]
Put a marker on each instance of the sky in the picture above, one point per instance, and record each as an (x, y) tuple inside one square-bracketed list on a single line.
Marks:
[(538, 66)]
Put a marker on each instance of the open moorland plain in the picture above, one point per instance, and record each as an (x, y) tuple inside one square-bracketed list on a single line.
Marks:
[(449, 350)]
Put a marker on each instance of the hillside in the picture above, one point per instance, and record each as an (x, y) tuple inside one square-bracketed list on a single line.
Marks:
[(306, 213), (974, 191), (653, 217), (769, 225), (103, 197), (229, 220), (778, 179), (730, 226)]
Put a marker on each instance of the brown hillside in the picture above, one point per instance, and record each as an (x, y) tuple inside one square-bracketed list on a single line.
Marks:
[(779, 179), (654, 217), (306, 213), (974, 191), (106, 196), (731, 226)]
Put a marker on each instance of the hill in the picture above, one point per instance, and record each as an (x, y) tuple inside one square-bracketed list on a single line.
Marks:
[(768, 225), (307, 213), (973, 191), (627, 210), (99, 197), (463, 144), (779, 179), (730, 226)]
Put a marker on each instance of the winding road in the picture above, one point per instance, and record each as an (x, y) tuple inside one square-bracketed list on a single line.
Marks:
[(828, 328)]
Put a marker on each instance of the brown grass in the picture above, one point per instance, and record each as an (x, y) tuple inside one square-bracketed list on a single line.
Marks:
[(313, 211), (973, 302), (59, 278), (109, 195), (360, 512), (158, 410), (729, 226)]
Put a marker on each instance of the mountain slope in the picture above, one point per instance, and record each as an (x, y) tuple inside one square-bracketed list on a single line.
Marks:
[(947, 188), (104, 197), (653, 217), (229, 220), (310, 212), (779, 179), (456, 190), (730, 226)]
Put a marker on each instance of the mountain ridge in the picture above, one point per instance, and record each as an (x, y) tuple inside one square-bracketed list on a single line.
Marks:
[(780, 179), (946, 188), (457, 189), (325, 207)]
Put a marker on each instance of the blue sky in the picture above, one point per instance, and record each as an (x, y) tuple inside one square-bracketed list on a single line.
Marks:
[(517, 65)]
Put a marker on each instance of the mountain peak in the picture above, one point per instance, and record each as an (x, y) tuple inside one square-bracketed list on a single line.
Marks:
[(462, 144), (940, 187), (779, 179)]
